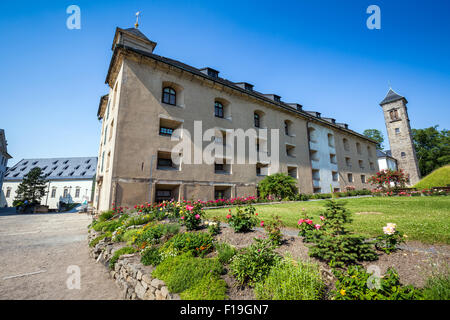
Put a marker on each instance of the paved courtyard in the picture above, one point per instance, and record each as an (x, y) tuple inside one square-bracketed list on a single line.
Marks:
[(36, 251)]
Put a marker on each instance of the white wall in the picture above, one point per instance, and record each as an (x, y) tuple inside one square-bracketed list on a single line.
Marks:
[(387, 163), (3, 164), (325, 167), (85, 187)]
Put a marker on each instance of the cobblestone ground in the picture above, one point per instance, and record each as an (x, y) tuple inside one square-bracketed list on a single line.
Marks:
[(36, 251)]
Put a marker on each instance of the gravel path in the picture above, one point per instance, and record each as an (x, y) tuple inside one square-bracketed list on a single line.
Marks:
[(36, 251)]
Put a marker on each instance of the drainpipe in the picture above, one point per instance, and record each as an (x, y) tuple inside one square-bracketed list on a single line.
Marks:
[(309, 153)]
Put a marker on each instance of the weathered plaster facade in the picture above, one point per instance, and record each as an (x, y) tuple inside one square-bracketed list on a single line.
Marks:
[(133, 113)]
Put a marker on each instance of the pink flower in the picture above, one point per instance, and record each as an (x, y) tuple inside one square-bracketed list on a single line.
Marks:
[(262, 223), (301, 221), (182, 218), (308, 221), (197, 216), (256, 214), (229, 216), (317, 226), (322, 218), (189, 208)]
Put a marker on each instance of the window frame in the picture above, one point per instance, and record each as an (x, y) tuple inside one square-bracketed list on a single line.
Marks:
[(169, 95), (219, 110)]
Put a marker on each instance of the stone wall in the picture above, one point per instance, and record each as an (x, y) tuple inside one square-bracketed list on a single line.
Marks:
[(130, 275)]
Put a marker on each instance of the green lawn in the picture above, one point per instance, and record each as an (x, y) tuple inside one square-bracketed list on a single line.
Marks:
[(426, 219)]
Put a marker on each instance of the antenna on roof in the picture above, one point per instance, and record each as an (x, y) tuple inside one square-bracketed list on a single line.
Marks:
[(136, 25)]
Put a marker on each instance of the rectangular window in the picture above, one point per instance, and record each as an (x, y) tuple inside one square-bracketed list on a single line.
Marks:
[(397, 130), (8, 193), (363, 178), (53, 193), (66, 192), (335, 175), (333, 158), (77, 192), (106, 134), (350, 177), (348, 162), (103, 160), (361, 164), (165, 131)]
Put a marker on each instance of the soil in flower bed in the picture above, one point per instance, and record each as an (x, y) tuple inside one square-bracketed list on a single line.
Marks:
[(413, 265)]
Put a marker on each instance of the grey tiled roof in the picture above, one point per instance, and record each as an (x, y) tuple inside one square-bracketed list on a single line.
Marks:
[(56, 168), (382, 154), (137, 33), (391, 97)]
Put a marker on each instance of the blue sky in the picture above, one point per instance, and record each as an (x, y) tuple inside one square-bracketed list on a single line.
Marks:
[(317, 53)]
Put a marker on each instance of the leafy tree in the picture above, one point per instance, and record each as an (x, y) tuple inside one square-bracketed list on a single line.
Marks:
[(32, 188), (432, 148), (376, 135), (278, 185)]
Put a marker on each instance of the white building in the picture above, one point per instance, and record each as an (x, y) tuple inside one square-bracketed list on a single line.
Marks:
[(386, 161), (70, 180), (4, 156)]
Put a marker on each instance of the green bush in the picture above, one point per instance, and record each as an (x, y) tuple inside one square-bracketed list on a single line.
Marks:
[(118, 253), (210, 287), (150, 256), (353, 284), (244, 220), (138, 220), (291, 280), (335, 244), (106, 215), (96, 240), (109, 225), (252, 264), (184, 271), (152, 234), (198, 243), (341, 250), (278, 185), (437, 287), (130, 235), (225, 252)]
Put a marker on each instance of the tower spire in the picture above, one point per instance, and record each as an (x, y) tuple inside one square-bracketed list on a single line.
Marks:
[(136, 25)]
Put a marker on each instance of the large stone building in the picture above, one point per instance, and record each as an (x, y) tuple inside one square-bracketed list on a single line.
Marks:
[(399, 134), (4, 156), (70, 180), (151, 96)]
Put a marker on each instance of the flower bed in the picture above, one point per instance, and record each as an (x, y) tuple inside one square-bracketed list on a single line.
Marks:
[(169, 252)]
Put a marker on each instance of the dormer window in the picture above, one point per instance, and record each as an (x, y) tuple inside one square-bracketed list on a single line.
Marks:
[(169, 96)]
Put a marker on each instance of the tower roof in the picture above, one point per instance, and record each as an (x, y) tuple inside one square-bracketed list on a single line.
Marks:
[(392, 96), (137, 33)]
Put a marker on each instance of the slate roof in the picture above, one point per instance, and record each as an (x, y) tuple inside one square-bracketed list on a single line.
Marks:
[(79, 168), (391, 96), (138, 33), (384, 154)]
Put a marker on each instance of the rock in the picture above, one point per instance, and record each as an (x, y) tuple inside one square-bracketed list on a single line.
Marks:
[(157, 283), (139, 275), (133, 296), (159, 295), (149, 296), (147, 278), (140, 290), (144, 284), (164, 292), (117, 267), (113, 274)]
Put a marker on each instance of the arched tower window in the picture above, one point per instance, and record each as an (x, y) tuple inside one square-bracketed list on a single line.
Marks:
[(218, 109)]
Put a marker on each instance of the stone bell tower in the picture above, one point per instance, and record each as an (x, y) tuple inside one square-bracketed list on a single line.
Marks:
[(399, 134)]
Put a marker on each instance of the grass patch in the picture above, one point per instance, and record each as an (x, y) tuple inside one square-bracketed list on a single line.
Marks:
[(437, 287), (210, 287), (426, 219), (438, 178), (118, 253), (184, 271), (291, 280)]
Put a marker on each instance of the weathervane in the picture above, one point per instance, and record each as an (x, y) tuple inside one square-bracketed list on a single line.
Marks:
[(136, 25)]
